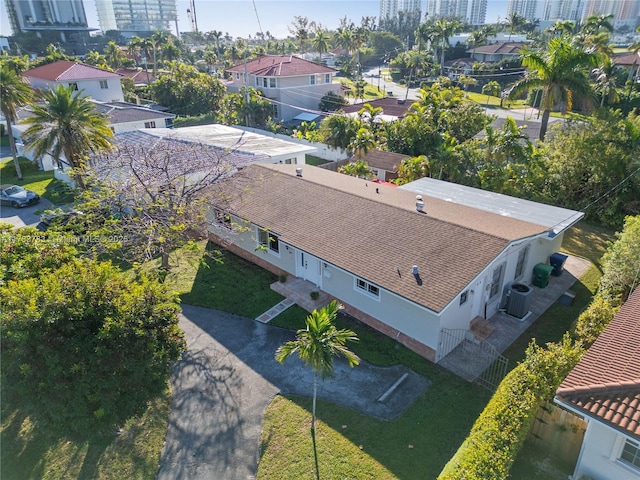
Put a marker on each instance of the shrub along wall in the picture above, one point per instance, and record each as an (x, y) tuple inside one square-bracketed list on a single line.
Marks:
[(500, 431)]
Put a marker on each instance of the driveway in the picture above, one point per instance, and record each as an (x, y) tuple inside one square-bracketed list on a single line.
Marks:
[(26, 216), (228, 377)]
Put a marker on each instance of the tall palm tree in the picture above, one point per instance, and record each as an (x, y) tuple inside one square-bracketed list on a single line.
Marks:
[(606, 81), (492, 88), (560, 71), (515, 21), (316, 346), (442, 29), (321, 42), (114, 56), (67, 124), (14, 92)]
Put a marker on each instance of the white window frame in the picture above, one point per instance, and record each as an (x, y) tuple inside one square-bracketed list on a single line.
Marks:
[(327, 78), (104, 84), (523, 257), (634, 448), (222, 219), (496, 283), (312, 80), (273, 83), (151, 124), (270, 240), (366, 288), (464, 297)]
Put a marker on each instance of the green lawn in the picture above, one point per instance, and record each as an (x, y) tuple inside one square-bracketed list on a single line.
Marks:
[(43, 183), (313, 160)]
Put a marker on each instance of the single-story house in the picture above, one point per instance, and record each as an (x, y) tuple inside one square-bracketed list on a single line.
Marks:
[(392, 108), (410, 261), (604, 390), (630, 62), (497, 52), (234, 146), (140, 77), (384, 164), (122, 117)]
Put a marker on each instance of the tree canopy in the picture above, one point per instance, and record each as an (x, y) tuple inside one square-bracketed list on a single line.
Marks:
[(84, 345)]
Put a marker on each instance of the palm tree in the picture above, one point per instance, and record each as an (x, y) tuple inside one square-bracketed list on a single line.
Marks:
[(492, 88), (442, 29), (515, 21), (562, 27), (14, 92), (321, 42), (113, 55), (598, 23), (560, 73), (606, 81), (316, 346), (67, 124)]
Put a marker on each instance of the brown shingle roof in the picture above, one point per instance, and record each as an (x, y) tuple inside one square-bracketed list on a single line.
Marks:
[(500, 48), (387, 161), (138, 76), (390, 106), (356, 225), (605, 384), (64, 71), (627, 59), (281, 66)]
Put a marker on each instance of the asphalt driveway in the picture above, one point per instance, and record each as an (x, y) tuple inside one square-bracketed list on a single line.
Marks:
[(26, 216), (228, 377)]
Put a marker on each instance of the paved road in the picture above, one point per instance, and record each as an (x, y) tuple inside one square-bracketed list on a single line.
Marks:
[(27, 216), (228, 377)]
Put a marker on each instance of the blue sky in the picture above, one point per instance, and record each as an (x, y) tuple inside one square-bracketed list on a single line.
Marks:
[(238, 17)]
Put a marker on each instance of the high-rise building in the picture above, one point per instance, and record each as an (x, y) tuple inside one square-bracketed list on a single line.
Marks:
[(66, 18), (625, 12), (470, 11), (529, 9), (390, 8), (136, 17), (554, 10)]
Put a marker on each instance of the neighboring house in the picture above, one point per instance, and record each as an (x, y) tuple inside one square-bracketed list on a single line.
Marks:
[(392, 108), (383, 164), (140, 77), (604, 389), (122, 116), (271, 150), (629, 62), (497, 52), (294, 85), (99, 84), (408, 267)]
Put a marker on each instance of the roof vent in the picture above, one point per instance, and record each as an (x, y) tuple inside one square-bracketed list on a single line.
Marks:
[(419, 204), (414, 270), (299, 172)]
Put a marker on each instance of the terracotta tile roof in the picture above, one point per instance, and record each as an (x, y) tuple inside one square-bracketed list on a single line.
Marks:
[(64, 71), (387, 161), (499, 48), (605, 384), (627, 59), (138, 76), (389, 105), (281, 66), (354, 224)]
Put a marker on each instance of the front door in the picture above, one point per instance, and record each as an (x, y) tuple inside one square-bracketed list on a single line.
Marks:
[(309, 268)]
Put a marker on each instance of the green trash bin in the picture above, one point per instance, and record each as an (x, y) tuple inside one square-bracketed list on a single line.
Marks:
[(541, 273)]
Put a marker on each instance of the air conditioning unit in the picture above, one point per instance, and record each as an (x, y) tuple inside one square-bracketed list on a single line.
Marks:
[(519, 299)]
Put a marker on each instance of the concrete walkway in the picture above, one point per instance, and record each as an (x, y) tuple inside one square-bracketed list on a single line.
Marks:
[(228, 377)]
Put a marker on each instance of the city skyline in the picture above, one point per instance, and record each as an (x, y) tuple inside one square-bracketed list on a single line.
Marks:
[(239, 17)]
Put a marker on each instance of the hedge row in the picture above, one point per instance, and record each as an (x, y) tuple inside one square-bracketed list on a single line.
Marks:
[(499, 433)]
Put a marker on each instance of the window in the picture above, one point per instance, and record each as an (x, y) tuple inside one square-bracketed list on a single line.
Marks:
[(221, 218), (275, 110), (312, 80), (496, 280), (272, 83), (265, 82), (74, 86), (464, 297), (327, 78), (522, 261), (367, 288), (269, 240), (631, 454), (149, 124), (104, 84), (168, 122)]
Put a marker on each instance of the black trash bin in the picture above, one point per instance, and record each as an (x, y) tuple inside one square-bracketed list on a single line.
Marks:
[(557, 262)]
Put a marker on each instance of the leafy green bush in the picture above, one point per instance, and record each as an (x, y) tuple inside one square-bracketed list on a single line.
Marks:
[(500, 431)]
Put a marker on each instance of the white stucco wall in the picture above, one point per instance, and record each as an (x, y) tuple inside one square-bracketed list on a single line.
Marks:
[(599, 456), (91, 88)]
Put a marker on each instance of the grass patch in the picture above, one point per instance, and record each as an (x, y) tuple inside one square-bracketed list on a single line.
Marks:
[(41, 182), (588, 241), (370, 91), (313, 160), (31, 450), (227, 282)]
